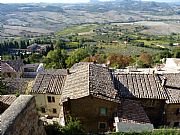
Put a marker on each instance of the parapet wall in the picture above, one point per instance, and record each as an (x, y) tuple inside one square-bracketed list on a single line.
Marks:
[(21, 118)]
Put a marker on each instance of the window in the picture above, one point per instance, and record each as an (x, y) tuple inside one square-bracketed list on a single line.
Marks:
[(102, 125), (54, 110), (50, 99), (43, 110), (178, 111), (103, 111), (176, 124)]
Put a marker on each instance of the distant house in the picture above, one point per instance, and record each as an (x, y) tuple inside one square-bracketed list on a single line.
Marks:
[(12, 69), (38, 48), (114, 42), (33, 47), (31, 70), (47, 90), (176, 44)]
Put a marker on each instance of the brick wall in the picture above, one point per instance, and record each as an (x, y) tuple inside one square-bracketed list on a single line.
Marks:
[(21, 118)]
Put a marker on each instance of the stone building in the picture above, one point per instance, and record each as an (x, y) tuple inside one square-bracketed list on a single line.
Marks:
[(47, 90), (104, 100), (12, 69), (145, 88), (31, 70), (172, 107), (90, 96)]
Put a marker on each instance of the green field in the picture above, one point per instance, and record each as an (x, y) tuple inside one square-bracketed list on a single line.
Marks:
[(126, 49), (154, 42), (155, 132), (77, 29)]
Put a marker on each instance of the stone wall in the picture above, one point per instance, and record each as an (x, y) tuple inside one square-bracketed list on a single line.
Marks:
[(133, 127), (87, 110), (21, 118), (172, 115), (154, 110)]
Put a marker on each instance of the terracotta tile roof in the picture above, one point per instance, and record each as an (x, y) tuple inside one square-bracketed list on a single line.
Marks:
[(89, 79), (7, 99), (56, 71), (11, 66), (174, 96), (51, 81), (6, 68), (34, 65), (17, 84), (138, 85), (16, 64), (172, 86), (132, 112)]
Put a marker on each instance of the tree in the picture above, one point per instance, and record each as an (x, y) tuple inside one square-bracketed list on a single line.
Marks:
[(165, 54), (98, 58), (145, 60), (119, 61), (73, 127), (55, 59), (3, 88), (35, 58), (59, 44), (176, 52), (53, 129), (80, 54)]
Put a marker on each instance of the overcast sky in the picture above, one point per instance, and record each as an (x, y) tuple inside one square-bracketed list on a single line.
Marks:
[(64, 1)]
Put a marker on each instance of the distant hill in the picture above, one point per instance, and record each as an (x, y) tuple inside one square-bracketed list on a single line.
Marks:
[(43, 18)]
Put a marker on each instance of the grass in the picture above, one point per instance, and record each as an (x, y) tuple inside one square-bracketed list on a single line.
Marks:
[(155, 132), (72, 45), (77, 29), (155, 42)]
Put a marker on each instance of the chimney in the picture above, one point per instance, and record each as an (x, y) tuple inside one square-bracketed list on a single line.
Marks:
[(164, 81)]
